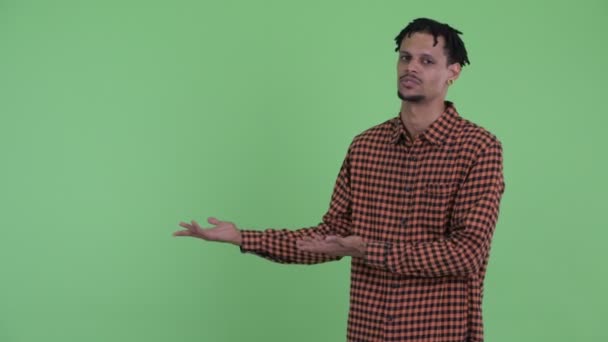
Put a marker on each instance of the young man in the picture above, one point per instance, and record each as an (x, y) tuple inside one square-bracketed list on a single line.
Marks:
[(415, 205)]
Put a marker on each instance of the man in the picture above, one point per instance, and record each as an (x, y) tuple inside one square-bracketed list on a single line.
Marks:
[(415, 205)]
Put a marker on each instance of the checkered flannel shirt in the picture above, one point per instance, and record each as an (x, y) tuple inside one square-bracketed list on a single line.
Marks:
[(427, 211)]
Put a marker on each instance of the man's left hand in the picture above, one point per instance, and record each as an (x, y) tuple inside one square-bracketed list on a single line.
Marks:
[(333, 245)]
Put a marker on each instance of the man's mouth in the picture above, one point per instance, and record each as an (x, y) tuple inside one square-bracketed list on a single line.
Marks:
[(410, 81)]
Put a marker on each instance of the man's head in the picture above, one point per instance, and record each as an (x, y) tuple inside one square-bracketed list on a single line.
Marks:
[(431, 56)]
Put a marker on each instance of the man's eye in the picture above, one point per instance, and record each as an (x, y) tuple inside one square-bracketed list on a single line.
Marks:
[(405, 58), (427, 61)]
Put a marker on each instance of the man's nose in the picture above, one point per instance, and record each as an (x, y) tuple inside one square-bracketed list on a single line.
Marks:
[(412, 66)]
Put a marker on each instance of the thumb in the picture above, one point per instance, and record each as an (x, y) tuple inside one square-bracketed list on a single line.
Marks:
[(213, 220), (332, 238)]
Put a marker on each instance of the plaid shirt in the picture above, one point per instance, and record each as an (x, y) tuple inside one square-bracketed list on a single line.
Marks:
[(426, 210)]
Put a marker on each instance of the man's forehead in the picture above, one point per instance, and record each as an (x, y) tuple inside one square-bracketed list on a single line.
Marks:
[(420, 42)]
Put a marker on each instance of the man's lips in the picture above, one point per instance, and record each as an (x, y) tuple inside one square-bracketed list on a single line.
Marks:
[(410, 80)]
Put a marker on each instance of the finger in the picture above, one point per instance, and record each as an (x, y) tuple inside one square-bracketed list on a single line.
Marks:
[(213, 220), (182, 233), (307, 249), (302, 242), (304, 245), (337, 240), (317, 236), (185, 225), (195, 227), (317, 246), (331, 238)]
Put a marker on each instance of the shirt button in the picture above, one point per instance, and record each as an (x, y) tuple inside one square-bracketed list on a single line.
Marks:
[(413, 159), (395, 285), (389, 318), (404, 221), (408, 188)]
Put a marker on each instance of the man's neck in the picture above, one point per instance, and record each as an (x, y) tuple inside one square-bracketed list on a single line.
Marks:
[(417, 117)]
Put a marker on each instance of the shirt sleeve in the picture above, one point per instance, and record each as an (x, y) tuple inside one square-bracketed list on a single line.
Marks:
[(279, 245), (473, 221)]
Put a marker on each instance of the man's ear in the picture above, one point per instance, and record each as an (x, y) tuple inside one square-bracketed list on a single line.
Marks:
[(454, 70)]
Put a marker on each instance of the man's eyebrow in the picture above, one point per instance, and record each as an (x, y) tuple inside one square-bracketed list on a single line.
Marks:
[(422, 54)]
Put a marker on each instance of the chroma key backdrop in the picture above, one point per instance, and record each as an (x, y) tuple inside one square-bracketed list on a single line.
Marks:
[(119, 119)]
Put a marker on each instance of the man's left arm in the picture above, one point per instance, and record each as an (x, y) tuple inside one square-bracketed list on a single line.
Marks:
[(474, 218)]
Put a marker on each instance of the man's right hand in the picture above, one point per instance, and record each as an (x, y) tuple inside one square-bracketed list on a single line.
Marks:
[(222, 232)]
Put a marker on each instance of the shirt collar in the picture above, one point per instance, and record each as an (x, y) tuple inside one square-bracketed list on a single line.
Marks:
[(436, 133)]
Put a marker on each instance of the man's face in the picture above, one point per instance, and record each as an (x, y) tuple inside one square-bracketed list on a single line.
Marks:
[(422, 69)]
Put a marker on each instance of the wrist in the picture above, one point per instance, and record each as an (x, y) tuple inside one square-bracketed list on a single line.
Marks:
[(239, 239), (360, 248)]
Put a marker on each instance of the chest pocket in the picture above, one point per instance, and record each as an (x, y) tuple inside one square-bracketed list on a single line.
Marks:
[(436, 204)]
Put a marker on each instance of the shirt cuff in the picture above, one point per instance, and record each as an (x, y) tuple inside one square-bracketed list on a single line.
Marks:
[(251, 241), (376, 254)]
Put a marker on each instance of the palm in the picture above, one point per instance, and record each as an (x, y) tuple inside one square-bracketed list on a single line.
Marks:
[(223, 231)]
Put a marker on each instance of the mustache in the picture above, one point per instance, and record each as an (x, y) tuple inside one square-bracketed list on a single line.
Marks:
[(412, 76)]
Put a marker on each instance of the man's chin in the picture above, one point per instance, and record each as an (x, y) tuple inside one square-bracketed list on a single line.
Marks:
[(410, 98)]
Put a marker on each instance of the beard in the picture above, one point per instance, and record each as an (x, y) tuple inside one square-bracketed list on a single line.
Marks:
[(410, 98)]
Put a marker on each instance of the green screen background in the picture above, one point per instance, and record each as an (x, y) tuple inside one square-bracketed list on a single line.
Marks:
[(121, 118)]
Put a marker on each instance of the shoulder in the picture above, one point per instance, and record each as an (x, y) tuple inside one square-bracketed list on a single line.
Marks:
[(472, 136), (379, 134)]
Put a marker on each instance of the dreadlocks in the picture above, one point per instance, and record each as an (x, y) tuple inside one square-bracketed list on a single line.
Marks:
[(454, 46)]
